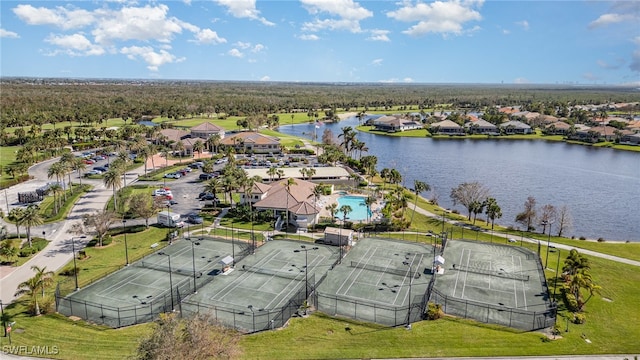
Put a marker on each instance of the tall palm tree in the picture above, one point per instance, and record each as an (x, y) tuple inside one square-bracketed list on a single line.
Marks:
[(56, 190), (332, 209), (370, 200), (16, 215), (46, 277), (30, 287), (345, 210), (57, 170), (272, 172), (287, 184), (31, 217), (124, 159), (492, 210), (418, 187), (79, 166), (68, 159), (112, 179), (144, 152), (198, 147)]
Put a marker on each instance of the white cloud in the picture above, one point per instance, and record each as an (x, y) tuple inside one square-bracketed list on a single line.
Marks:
[(153, 59), (396, 80), (309, 37), (377, 62), (208, 36), (8, 34), (379, 35), (258, 48), (636, 40), (235, 53), (243, 45), (505, 32), (74, 45), (407, 80), (265, 78), (136, 23), (244, 9), (608, 19), (520, 80), (347, 13), (524, 24), (437, 17), (65, 18)]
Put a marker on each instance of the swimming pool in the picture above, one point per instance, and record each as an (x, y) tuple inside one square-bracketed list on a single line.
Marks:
[(358, 207)]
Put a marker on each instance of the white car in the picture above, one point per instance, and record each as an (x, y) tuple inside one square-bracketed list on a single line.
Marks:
[(162, 192), (512, 240), (93, 172), (221, 161), (173, 175)]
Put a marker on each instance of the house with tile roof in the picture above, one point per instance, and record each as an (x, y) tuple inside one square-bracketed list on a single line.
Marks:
[(481, 126), (249, 142), (446, 127), (395, 123), (630, 139), (515, 127), (206, 130), (297, 201), (557, 128)]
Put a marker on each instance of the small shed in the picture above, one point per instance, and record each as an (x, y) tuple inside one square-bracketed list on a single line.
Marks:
[(338, 236), (227, 264)]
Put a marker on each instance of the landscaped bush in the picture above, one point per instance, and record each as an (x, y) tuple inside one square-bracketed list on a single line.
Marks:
[(106, 240), (579, 318), (27, 251), (434, 311), (601, 240)]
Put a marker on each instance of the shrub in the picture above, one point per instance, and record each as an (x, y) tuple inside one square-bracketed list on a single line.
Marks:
[(82, 254), (106, 240), (434, 311), (70, 271), (601, 240), (27, 251), (582, 238), (579, 318)]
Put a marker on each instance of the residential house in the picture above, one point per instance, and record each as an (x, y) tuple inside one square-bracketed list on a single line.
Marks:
[(296, 203), (557, 128), (630, 139), (634, 126), (515, 127), (481, 126), (396, 123), (250, 142), (595, 134), (446, 127)]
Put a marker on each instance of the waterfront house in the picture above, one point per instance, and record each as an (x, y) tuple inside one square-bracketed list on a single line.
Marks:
[(481, 126), (249, 142), (446, 127), (515, 127), (630, 139), (395, 123), (557, 128)]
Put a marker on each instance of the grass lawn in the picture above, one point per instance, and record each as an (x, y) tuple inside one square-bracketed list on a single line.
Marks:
[(288, 141)]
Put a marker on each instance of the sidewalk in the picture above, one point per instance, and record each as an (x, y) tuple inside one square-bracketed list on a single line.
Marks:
[(59, 250)]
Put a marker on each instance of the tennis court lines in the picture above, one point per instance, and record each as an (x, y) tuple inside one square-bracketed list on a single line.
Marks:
[(384, 287), (278, 290), (487, 288)]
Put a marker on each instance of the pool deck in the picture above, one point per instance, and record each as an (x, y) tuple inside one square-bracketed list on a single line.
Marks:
[(333, 198)]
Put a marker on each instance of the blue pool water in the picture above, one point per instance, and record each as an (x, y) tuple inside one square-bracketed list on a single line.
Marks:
[(358, 207)]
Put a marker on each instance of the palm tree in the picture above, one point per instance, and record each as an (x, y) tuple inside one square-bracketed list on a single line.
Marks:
[(418, 187), (46, 277), (198, 147), (213, 142), (56, 189), (492, 210), (345, 210), (57, 170), (31, 287), (31, 217), (16, 215), (79, 166), (144, 152), (124, 160), (318, 190), (68, 160), (112, 179), (287, 184), (370, 200), (272, 172), (332, 209)]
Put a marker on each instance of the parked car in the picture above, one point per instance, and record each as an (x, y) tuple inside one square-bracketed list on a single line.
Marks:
[(173, 175), (194, 218), (206, 176), (196, 165), (209, 197), (162, 192), (89, 161), (187, 169), (221, 161), (93, 172), (100, 168)]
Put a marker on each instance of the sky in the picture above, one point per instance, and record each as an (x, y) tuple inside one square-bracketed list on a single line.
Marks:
[(402, 41)]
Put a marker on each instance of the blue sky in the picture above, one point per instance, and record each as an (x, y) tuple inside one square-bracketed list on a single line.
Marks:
[(465, 41)]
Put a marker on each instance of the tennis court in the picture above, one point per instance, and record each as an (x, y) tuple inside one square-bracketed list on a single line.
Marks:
[(379, 280), (265, 289), (137, 293), (493, 283)]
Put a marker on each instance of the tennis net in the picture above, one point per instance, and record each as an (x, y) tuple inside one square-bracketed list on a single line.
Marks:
[(293, 275), (388, 270), (154, 266), (502, 274)]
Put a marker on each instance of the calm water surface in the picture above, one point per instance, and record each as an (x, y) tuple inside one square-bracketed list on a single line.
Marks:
[(601, 187)]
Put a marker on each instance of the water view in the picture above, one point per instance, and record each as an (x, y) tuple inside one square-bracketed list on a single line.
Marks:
[(359, 210), (601, 187)]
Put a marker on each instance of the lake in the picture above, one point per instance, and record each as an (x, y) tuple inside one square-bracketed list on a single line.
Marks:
[(601, 187)]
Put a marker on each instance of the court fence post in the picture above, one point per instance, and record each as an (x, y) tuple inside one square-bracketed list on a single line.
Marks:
[(118, 316), (86, 311)]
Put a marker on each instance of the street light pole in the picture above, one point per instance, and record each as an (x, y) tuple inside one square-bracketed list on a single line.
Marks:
[(547, 223), (193, 261), (75, 267), (170, 279), (555, 285), (408, 326), (306, 267), (126, 248)]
